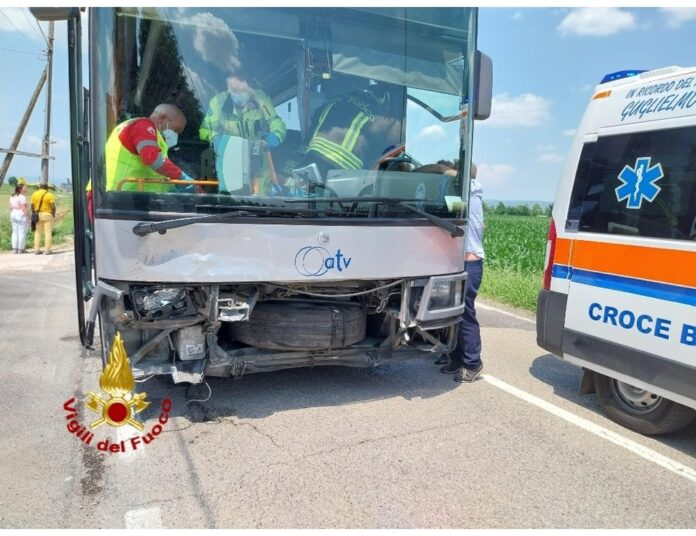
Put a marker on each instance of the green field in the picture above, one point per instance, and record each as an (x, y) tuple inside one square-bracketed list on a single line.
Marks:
[(64, 218), (515, 247)]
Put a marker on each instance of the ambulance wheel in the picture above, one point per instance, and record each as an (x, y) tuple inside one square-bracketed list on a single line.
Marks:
[(640, 410)]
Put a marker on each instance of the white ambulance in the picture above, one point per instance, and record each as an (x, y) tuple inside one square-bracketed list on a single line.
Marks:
[(619, 294)]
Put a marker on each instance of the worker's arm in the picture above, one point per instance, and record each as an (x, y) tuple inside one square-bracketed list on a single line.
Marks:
[(144, 139), (275, 124), (211, 122)]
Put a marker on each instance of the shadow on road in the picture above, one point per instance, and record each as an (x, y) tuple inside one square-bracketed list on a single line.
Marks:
[(259, 395), (565, 380)]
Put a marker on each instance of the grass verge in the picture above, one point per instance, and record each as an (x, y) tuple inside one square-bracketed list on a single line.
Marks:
[(510, 287), (515, 247), (62, 228)]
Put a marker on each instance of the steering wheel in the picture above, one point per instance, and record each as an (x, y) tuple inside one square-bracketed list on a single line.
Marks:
[(389, 163)]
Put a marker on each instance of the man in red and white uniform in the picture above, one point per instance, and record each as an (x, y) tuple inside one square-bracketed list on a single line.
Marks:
[(138, 148)]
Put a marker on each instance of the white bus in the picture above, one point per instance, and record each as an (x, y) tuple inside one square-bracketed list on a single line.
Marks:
[(353, 264), (619, 296)]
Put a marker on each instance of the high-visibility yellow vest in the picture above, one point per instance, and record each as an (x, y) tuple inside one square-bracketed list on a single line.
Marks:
[(121, 163), (346, 114), (223, 117)]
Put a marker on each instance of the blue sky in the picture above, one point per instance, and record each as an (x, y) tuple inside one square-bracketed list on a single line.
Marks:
[(21, 62), (546, 64)]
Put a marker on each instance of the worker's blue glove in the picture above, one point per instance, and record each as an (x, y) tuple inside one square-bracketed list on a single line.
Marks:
[(277, 190), (190, 188), (271, 140)]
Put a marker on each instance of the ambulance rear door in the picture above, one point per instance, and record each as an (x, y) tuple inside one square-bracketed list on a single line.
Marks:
[(631, 306)]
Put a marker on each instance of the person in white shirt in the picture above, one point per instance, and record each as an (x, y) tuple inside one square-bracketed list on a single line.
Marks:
[(19, 216), (465, 361)]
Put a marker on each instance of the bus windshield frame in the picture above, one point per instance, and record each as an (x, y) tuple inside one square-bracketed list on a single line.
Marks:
[(407, 71)]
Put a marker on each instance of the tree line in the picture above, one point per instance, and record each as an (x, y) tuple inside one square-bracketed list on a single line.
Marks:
[(517, 210)]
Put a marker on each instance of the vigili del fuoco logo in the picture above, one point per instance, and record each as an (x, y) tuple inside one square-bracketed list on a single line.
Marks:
[(119, 407)]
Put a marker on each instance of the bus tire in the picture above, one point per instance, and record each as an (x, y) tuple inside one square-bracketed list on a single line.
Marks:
[(639, 410), (301, 326)]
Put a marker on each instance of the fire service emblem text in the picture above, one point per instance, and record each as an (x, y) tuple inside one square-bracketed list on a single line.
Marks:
[(119, 408), (117, 380)]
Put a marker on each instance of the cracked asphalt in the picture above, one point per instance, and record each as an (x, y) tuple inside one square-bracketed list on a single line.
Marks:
[(400, 446)]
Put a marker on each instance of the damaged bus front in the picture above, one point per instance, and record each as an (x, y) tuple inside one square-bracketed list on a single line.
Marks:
[(325, 221)]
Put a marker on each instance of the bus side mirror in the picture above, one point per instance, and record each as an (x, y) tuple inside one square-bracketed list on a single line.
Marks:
[(54, 13), (483, 86)]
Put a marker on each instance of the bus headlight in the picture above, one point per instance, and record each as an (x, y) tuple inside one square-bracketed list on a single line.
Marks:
[(443, 297), (444, 294)]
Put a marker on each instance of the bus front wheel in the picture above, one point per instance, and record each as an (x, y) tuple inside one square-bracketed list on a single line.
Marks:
[(640, 410)]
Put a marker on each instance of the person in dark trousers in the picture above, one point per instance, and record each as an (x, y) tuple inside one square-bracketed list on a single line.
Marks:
[(465, 361)]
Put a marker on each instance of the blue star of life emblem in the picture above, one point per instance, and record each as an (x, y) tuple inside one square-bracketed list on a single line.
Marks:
[(638, 182)]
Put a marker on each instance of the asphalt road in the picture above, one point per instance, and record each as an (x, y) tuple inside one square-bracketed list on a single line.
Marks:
[(400, 446)]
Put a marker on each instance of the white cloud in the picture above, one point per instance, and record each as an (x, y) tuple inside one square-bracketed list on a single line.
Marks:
[(676, 16), (584, 88), (548, 153), (526, 110), (432, 132), (550, 157), (33, 143), (59, 144), (496, 173), (569, 132), (215, 41), (596, 21)]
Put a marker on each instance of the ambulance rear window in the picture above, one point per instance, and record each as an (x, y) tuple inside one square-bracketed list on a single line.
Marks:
[(641, 184)]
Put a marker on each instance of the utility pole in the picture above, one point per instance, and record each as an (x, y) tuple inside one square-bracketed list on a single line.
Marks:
[(20, 129), (47, 122)]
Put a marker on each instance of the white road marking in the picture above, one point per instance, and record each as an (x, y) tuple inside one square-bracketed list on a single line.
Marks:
[(502, 312), (144, 518), (636, 448)]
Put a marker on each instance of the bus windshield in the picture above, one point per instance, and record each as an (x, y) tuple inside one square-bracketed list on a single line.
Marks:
[(255, 106)]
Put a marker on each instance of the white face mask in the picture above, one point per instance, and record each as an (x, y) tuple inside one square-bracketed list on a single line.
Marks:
[(171, 138), (240, 99)]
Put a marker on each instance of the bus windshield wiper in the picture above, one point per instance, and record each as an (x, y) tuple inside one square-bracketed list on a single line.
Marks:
[(145, 228), (448, 226)]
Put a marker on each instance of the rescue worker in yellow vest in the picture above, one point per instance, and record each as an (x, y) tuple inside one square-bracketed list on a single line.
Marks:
[(244, 112), (138, 148), (353, 130)]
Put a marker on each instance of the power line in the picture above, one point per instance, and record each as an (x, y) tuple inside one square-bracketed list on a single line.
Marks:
[(15, 27), (21, 52), (42, 32), (29, 19)]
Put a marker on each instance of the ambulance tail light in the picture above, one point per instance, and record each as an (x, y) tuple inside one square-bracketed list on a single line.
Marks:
[(550, 251)]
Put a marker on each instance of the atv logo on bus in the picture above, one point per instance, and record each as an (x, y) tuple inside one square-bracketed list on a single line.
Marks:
[(315, 261)]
